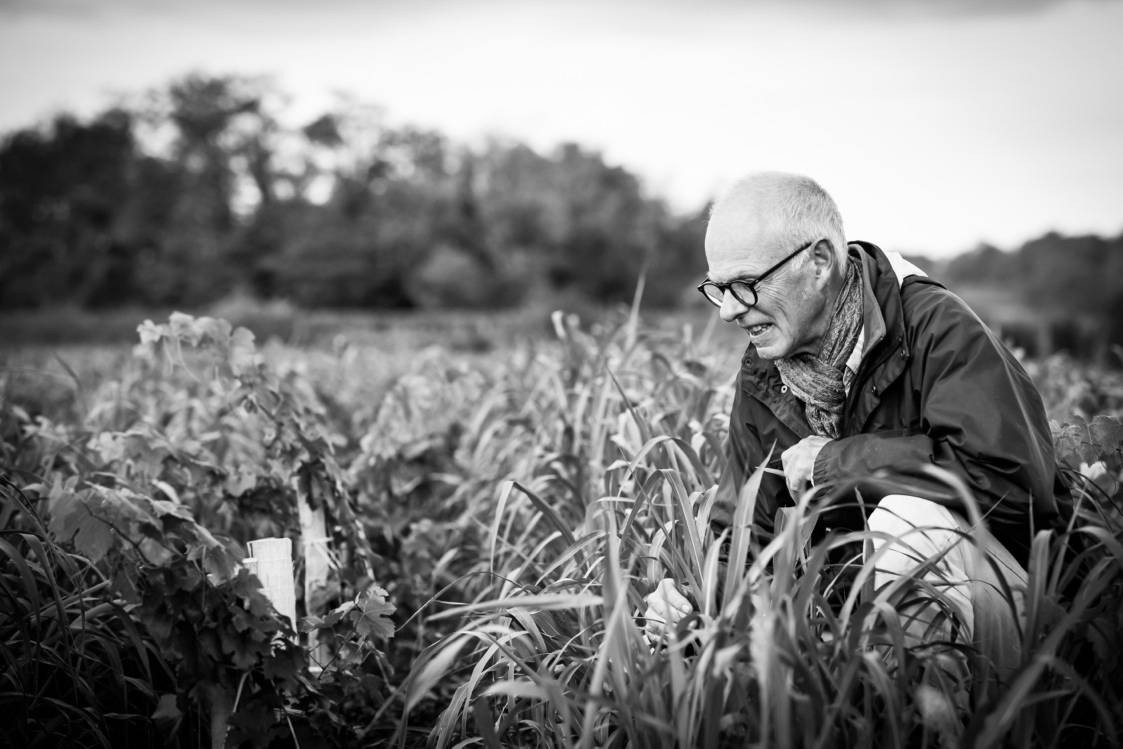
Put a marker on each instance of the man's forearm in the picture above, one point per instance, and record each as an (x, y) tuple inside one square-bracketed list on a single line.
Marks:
[(895, 463)]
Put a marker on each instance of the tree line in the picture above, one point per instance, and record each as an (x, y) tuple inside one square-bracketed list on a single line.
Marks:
[(198, 190), (1072, 283)]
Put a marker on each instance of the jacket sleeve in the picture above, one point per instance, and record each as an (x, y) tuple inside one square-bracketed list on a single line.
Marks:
[(744, 454), (981, 419)]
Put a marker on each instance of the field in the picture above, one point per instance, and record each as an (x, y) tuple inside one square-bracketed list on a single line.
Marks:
[(499, 500)]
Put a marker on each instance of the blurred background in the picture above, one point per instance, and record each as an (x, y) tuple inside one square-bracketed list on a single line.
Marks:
[(301, 166)]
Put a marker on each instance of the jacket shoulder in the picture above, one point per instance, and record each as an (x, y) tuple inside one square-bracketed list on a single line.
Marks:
[(935, 316), (923, 298)]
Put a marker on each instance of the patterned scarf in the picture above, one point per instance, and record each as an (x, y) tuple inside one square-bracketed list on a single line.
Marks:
[(819, 381)]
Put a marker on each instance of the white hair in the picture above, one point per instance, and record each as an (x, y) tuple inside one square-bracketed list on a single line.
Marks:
[(791, 207)]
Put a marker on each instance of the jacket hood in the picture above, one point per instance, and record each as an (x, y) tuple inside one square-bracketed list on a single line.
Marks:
[(902, 268)]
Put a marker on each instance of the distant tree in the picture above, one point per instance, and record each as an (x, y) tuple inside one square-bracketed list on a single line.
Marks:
[(1115, 320), (1071, 274), (222, 142), (679, 263), (985, 263), (578, 223), (391, 200), (1074, 283), (64, 190)]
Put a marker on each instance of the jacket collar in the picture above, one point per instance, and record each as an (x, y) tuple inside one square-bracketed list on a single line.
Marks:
[(884, 312), (883, 361), (886, 354)]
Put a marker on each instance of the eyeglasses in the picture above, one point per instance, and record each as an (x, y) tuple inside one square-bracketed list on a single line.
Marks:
[(743, 291)]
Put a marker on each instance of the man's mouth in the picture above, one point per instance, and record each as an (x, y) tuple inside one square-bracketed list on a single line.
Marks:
[(756, 331)]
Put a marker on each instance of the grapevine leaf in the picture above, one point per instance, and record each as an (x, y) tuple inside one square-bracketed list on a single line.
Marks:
[(336, 615), (1107, 433), (94, 538), (67, 512), (150, 332), (214, 328), (183, 327), (242, 359), (164, 508), (374, 621), (73, 520)]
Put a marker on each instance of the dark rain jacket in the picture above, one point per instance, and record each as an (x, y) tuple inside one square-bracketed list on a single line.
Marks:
[(935, 387)]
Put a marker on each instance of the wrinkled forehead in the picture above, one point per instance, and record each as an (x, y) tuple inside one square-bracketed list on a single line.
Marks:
[(739, 245)]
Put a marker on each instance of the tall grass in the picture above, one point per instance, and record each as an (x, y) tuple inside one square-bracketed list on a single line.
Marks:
[(75, 668), (790, 643), (519, 503)]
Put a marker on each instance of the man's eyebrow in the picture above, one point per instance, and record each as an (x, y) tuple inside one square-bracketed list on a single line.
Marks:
[(735, 279)]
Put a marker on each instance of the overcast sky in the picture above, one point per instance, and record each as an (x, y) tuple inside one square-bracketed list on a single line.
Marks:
[(936, 124)]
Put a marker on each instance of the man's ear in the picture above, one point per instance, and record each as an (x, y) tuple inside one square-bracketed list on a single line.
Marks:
[(823, 258)]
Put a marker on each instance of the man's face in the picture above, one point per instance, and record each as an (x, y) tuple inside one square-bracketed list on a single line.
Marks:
[(790, 314)]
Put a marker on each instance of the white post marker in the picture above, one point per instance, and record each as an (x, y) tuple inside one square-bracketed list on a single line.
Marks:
[(317, 563), (271, 560)]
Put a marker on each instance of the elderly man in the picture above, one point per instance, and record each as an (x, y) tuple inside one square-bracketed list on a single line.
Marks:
[(860, 370)]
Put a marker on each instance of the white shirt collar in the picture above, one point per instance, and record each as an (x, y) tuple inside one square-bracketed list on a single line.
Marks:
[(856, 353)]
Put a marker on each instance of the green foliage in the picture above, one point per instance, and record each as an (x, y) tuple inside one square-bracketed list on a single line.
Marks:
[(496, 519), (1072, 390), (202, 428), (790, 645), (76, 665)]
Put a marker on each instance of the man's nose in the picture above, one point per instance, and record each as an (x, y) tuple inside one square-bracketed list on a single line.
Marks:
[(731, 308)]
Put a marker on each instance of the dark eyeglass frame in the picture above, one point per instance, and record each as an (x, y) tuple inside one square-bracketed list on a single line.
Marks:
[(741, 289)]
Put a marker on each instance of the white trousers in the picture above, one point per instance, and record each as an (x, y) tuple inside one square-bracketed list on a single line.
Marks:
[(936, 550)]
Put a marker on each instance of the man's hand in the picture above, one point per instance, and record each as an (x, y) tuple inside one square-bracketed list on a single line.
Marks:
[(799, 463), (666, 607)]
